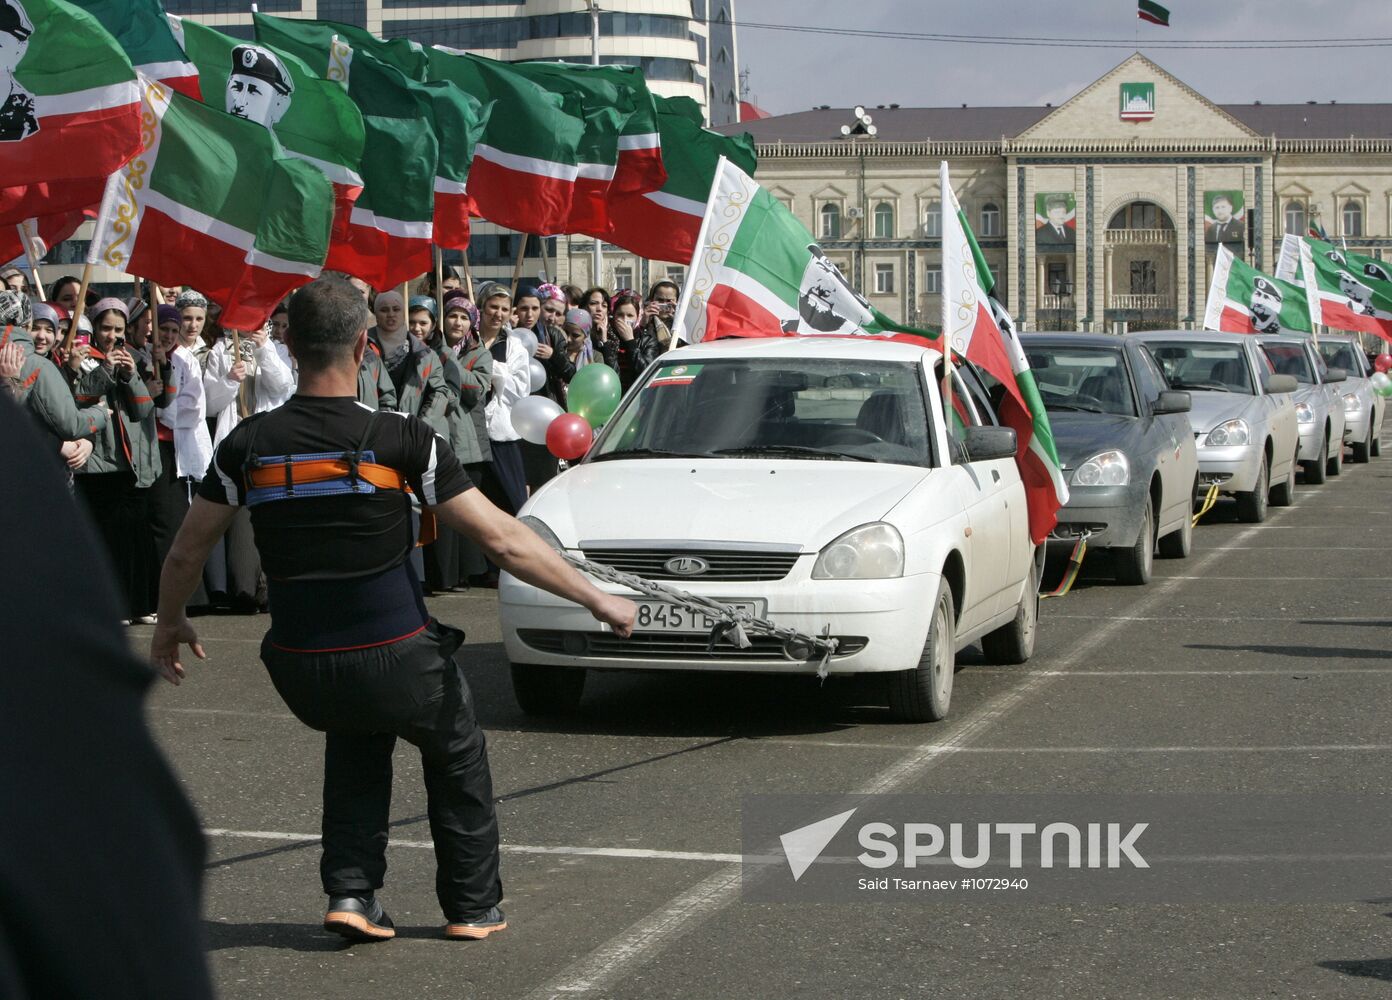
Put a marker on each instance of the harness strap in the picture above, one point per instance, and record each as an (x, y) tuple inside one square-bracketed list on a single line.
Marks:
[(308, 471)]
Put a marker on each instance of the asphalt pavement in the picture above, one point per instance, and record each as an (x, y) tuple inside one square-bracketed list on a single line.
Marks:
[(1259, 664)]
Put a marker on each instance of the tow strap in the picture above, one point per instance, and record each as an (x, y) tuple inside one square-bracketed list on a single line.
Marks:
[(1070, 573), (733, 625), (1208, 502)]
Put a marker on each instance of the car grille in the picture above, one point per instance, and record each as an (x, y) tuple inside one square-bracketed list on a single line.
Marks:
[(725, 564), (665, 645)]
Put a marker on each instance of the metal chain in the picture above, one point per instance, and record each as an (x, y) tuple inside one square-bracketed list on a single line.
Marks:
[(733, 624)]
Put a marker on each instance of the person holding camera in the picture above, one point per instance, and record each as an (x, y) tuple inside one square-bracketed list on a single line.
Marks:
[(115, 481), (645, 331)]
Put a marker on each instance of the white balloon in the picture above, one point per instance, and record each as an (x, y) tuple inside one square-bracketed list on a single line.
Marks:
[(1381, 380), (527, 339), (538, 375), (533, 415)]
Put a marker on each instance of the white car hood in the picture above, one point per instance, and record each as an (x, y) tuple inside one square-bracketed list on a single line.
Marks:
[(802, 503), (1209, 409)]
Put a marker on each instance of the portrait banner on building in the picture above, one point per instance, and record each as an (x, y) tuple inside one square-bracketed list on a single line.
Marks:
[(1055, 222), (1225, 220)]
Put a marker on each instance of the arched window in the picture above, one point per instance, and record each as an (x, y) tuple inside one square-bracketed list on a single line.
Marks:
[(990, 219), (831, 221), (1295, 218), (884, 220), (932, 220), (1353, 218)]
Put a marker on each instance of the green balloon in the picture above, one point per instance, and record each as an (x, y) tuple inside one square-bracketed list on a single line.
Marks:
[(1385, 390), (594, 394)]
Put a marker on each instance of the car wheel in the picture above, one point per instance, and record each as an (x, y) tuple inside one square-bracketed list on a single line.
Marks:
[(1317, 471), (1335, 466), (1014, 643), (1363, 450), (547, 690), (1133, 565), (1178, 544), (1284, 495), (1251, 507), (924, 693)]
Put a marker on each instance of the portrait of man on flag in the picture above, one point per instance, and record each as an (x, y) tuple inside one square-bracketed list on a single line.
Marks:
[(17, 119), (259, 87)]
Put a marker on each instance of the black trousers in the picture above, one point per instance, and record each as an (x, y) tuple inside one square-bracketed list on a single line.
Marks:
[(122, 512), (363, 700)]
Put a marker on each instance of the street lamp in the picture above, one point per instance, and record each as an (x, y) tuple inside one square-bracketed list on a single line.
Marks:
[(862, 127)]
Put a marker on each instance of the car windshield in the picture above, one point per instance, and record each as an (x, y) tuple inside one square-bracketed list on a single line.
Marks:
[(820, 409), (1093, 380), (1196, 365), (1290, 359), (1341, 355)]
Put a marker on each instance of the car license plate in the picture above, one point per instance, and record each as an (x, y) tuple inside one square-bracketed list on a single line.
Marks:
[(658, 616)]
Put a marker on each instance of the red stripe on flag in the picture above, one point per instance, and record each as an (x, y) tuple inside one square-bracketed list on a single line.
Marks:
[(451, 226), (1338, 314), (517, 200), (987, 352), (1235, 321), (1152, 19), (642, 226), (73, 147), (30, 201), (170, 253), (639, 170), (730, 313), (382, 260)]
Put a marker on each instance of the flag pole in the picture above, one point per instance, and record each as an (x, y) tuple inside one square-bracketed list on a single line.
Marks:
[(81, 308), (517, 265), (440, 290), (468, 276), (27, 238), (949, 204)]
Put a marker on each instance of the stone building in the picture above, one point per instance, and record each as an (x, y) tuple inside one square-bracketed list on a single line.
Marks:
[(1106, 208)]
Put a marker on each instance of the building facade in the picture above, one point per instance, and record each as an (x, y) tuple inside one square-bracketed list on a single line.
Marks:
[(1106, 209)]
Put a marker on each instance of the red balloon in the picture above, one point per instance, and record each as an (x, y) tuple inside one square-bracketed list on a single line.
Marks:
[(1383, 363), (569, 436)]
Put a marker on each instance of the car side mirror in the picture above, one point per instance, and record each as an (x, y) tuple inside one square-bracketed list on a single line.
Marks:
[(1280, 383), (1171, 401), (985, 444), (1336, 375)]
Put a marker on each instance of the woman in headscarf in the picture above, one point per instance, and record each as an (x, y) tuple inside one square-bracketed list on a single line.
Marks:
[(245, 374), (116, 479), (452, 558), (505, 483), (412, 367), (44, 329)]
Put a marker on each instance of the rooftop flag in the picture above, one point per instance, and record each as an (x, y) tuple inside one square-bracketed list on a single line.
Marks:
[(1149, 10)]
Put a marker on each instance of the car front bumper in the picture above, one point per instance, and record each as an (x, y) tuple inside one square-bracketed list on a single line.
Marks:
[(1234, 467), (884, 622), (1111, 515), (1311, 440)]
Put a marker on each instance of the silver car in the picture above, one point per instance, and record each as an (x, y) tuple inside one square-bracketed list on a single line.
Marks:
[(1363, 408), (1242, 414), (1319, 404)]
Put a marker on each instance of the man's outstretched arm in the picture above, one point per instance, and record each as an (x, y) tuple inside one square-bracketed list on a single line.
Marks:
[(204, 525)]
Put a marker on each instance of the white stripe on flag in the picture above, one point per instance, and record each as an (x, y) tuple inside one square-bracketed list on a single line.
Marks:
[(174, 69), (676, 203), (443, 185), (393, 227), (527, 164), (596, 171), (224, 232), (337, 173), (1218, 289), (648, 140), (97, 99)]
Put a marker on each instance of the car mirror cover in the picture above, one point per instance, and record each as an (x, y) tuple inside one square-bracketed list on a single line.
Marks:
[(1171, 401), (1336, 375), (1280, 384), (985, 444)]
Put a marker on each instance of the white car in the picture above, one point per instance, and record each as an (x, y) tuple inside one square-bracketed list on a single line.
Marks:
[(1363, 408), (810, 481)]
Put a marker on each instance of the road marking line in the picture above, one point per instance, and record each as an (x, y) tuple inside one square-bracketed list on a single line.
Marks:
[(1303, 673), (1170, 619), (609, 963), (1267, 579), (634, 853), (1312, 748), (219, 711)]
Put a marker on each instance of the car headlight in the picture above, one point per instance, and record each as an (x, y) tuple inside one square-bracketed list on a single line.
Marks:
[(1107, 469), (870, 552), (543, 532), (1352, 404), (1304, 414), (1229, 433)]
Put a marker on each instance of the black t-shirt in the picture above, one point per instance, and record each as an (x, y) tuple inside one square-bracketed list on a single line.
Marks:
[(344, 536)]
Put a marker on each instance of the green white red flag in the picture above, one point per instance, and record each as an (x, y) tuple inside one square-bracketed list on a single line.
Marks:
[(314, 119), (664, 224), (72, 111), (140, 27), (621, 151), (213, 201), (1349, 291), (757, 272), (389, 235), (979, 329), (526, 162), (1243, 300)]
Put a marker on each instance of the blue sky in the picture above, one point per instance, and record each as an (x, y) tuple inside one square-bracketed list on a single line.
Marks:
[(793, 71)]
